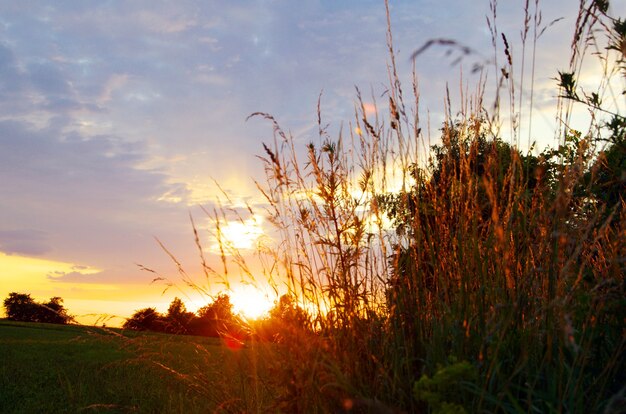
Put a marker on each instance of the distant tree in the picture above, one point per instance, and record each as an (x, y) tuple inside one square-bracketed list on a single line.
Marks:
[(220, 309), (53, 311), (21, 307), (288, 311), (217, 319), (177, 319), (285, 320), (147, 319)]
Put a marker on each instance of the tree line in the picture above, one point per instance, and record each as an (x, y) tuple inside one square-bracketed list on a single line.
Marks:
[(212, 319), (216, 319)]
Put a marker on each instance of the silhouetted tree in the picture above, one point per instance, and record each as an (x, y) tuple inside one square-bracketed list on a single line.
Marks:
[(220, 309), (288, 311), (21, 307), (53, 311), (217, 319), (177, 319), (285, 319), (147, 319)]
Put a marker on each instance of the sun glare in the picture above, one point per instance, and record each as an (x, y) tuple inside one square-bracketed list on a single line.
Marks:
[(250, 301), (240, 235)]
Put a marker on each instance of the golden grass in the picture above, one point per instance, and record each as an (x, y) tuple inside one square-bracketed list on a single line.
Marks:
[(499, 286)]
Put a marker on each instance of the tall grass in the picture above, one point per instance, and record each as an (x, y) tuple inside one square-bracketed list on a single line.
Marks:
[(470, 277)]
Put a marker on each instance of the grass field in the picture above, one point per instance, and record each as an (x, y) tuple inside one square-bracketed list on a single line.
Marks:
[(59, 369)]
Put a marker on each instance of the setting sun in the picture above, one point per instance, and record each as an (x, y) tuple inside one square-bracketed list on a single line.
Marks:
[(239, 234), (250, 301)]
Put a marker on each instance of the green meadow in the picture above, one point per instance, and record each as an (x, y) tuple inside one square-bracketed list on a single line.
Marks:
[(48, 368)]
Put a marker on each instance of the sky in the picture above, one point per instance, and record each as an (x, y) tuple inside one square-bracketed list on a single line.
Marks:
[(117, 119)]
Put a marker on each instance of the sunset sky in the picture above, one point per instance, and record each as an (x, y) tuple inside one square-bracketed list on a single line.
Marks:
[(116, 117)]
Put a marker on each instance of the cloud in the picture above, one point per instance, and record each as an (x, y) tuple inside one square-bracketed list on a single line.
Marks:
[(115, 82), (98, 277), (10, 75), (84, 192), (24, 242), (164, 22), (48, 79), (75, 277)]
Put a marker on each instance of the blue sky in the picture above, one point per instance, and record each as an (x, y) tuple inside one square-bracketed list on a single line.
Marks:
[(116, 117)]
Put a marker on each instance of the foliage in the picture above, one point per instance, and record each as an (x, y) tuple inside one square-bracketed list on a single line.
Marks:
[(288, 311), (215, 319), (221, 309), (177, 318), (444, 392), (606, 179), (284, 322), (147, 319), (21, 307)]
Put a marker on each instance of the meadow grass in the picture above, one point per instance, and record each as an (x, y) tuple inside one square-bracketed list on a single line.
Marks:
[(69, 369)]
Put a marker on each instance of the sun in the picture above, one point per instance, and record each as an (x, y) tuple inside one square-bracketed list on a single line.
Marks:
[(250, 301), (239, 234)]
